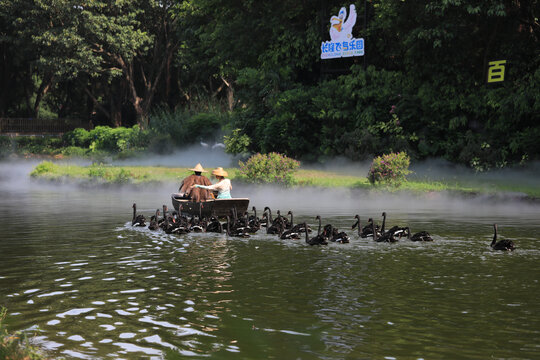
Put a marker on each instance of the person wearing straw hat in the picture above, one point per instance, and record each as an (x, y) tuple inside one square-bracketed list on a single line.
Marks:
[(223, 186), (196, 194)]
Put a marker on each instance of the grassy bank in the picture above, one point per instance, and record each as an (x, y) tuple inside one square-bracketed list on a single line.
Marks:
[(316, 178)]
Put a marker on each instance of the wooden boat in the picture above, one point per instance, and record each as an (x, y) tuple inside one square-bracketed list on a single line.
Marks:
[(216, 207)]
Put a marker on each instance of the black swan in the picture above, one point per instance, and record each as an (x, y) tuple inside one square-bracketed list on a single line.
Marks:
[(239, 225), (197, 223), (235, 231), (138, 220), (357, 224), (289, 234), (270, 220), (286, 223), (214, 225), (337, 236), (171, 226), (504, 244), (268, 216), (319, 239), (386, 237), (168, 223), (299, 228), (154, 221), (421, 236), (367, 230), (398, 231), (254, 221), (272, 228)]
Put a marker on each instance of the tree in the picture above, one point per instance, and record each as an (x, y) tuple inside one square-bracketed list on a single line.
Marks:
[(99, 40)]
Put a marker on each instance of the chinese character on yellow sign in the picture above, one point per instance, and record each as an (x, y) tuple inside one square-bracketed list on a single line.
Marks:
[(496, 71)]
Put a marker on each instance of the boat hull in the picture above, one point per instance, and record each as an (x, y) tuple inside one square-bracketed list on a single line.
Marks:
[(215, 207)]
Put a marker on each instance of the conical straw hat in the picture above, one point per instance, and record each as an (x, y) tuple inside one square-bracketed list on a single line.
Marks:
[(220, 172), (198, 168)]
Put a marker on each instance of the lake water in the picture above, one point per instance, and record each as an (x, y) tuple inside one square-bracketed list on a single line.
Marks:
[(85, 284)]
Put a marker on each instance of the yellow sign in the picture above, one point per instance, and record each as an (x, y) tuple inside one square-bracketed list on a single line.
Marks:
[(496, 71)]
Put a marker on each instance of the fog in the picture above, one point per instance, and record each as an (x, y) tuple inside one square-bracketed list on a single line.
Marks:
[(437, 169), (209, 156), (14, 176)]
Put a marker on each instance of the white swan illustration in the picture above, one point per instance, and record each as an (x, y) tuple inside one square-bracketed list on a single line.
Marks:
[(341, 30)]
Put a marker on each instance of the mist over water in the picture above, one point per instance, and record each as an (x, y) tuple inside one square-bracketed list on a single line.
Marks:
[(209, 156), (438, 169), (14, 175)]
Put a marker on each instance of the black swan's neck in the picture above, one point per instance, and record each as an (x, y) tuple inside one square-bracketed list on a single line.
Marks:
[(269, 213), (373, 229), (494, 235), (228, 225), (165, 218)]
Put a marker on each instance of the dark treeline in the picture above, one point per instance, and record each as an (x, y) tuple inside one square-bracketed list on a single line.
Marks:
[(256, 64)]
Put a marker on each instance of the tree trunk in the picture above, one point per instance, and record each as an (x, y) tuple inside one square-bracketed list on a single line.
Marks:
[(163, 52), (230, 93), (115, 105), (44, 88), (142, 115), (4, 82), (116, 115), (168, 78), (97, 104)]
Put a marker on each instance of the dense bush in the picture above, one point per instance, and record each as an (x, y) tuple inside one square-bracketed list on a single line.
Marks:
[(389, 169), (74, 151), (5, 146), (78, 137), (269, 168), (236, 142), (185, 127), (108, 139), (44, 168), (43, 145), (118, 139)]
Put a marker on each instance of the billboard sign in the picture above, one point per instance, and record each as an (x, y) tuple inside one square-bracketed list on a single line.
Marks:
[(342, 43), (496, 71)]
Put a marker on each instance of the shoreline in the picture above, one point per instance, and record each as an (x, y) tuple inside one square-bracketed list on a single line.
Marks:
[(139, 176)]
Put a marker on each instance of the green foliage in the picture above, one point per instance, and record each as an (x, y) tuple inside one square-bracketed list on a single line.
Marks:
[(15, 346), (122, 177), (44, 145), (236, 143), (105, 138), (269, 168), (74, 151), (101, 172), (389, 169), (185, 127), (96, 171), (78, 137), (118, 139), (45, 167), (423, 90), (5, 146)]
